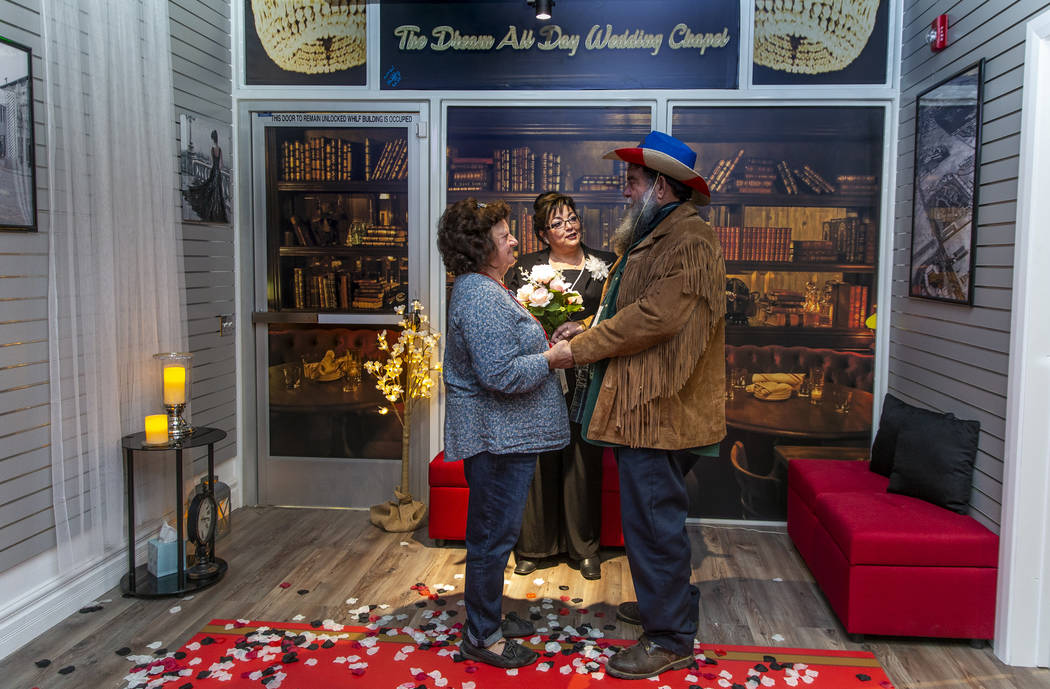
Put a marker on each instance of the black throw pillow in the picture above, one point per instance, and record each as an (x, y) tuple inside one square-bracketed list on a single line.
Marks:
[(895, 414), (934, 461)]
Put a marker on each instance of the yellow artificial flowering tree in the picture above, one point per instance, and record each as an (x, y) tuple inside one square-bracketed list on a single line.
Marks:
[(405, 378)]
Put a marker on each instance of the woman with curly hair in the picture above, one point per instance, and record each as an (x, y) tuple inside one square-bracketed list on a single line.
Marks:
[(503, 406)]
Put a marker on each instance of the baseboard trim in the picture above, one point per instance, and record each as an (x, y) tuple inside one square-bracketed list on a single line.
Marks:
[(34, 613)]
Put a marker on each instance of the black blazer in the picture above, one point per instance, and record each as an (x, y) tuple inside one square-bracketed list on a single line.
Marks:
[(588, 287)]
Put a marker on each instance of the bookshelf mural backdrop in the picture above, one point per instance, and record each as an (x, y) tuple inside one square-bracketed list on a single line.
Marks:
[(795, 194), (795, 198)]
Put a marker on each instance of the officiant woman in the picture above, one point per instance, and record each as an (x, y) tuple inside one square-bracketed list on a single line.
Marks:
[(563, 510), (503, 407)]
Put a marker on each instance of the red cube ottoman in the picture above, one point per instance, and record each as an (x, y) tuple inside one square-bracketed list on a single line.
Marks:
[(449, 495)]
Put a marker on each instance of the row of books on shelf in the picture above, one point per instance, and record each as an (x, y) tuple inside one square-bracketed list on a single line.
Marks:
[(845, 240), (767, 244), (852, 238), (356, 234), (333, 159), (332, 291), (521, 169), (850, 305), (753, 175)]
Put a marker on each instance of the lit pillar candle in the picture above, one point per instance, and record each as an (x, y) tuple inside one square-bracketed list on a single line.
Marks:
[(157, 429), (174, 385)]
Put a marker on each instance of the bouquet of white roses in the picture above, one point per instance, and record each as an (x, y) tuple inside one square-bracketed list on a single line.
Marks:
[(548, 297)]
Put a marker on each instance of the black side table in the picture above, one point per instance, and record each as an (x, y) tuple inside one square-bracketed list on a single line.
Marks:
[(139, 582)]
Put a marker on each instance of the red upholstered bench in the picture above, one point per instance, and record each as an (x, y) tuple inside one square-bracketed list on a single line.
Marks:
[(891, 564), (449, 494)]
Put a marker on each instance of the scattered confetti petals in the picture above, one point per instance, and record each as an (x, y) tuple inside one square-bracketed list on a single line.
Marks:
[(303, 592), (538, 581), (175, 609), (777, 637), (67, 669), (89, 608), (43, 662), (284, 584), (154, 646)]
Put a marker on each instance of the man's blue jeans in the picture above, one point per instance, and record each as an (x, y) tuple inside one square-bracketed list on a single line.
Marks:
[(498, 485), (654, 504)]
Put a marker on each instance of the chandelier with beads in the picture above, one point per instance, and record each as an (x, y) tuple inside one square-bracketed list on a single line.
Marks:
[(312, 36), (812, 36)]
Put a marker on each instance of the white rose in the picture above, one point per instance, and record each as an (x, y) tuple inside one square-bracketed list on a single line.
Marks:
[(574, 298), (541, 296), (559, 285), (543, 273), (524, 292)]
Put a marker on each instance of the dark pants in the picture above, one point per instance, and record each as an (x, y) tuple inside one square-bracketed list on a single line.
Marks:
[(498, 486), (563, 513), (654, 504)]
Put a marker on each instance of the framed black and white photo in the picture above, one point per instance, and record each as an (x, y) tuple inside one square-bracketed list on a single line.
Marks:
[(944, 206), (17, 169), (205, 167)]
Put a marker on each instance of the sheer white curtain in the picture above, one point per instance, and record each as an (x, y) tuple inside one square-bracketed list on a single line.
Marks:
[(116, 286)]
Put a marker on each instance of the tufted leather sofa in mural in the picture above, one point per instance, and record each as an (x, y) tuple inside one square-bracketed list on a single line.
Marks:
[(312, 343), (853, 369)]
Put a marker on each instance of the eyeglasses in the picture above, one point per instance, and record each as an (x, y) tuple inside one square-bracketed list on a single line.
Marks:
[(558, 223)]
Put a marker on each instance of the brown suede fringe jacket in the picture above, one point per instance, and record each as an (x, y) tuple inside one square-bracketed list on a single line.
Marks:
[(664, 387)]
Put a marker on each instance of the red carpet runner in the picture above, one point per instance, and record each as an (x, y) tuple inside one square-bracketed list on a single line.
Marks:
[(233, 654)]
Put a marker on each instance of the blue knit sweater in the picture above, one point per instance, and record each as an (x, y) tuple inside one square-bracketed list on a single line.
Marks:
[(500, 397)]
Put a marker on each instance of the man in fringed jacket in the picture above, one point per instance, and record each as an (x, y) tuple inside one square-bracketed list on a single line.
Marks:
[(657, 390)]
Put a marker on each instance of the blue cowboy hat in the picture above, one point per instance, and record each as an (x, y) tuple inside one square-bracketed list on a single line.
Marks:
[(668, 156)]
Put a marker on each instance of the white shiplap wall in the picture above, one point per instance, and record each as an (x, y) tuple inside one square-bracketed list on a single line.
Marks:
[(200, 31), (948, 357)]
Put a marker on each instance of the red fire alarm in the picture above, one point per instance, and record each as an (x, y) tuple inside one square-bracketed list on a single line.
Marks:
[(939, 33)]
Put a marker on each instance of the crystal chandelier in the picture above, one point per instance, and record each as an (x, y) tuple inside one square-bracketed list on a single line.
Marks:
[(811, 36), (312, 36)]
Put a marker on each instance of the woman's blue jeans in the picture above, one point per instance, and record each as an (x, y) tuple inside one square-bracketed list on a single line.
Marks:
[(498, 485)]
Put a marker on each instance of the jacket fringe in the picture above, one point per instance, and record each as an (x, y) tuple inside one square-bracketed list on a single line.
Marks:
[(662, 371)]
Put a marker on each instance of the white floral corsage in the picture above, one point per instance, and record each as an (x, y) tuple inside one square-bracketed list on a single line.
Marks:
[(598, 268)]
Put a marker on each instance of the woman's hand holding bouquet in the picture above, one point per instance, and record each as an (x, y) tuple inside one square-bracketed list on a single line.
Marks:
[(548, 297)]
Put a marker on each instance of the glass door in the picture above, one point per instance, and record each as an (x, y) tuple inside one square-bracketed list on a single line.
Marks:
[(337, 240)]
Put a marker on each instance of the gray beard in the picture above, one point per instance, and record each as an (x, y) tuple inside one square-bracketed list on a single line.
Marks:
[(638, 214)]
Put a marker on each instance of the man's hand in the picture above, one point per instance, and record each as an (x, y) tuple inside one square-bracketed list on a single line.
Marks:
[(567, 331), (560, 355)]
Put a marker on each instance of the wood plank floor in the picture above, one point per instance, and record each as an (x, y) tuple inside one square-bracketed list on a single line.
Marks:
[(753, 585)]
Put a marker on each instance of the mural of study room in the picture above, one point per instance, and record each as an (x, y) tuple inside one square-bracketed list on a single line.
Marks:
[(795, 199)]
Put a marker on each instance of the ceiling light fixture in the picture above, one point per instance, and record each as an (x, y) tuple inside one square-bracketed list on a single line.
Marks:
[(543, 8), (814, 36)]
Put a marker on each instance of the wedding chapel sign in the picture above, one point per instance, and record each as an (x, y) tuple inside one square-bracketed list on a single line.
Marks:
[(608, 44)]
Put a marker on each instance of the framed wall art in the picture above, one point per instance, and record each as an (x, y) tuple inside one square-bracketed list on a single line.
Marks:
[(944, 205), (205, 167), (17, 168)]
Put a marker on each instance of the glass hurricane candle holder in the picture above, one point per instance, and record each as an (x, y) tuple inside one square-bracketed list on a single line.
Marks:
[(175, 391)]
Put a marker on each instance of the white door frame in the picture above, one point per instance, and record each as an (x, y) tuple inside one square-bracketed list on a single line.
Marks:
[(1022, 625)]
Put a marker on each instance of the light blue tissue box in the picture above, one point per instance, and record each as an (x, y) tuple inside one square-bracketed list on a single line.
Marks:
[(162, 558)]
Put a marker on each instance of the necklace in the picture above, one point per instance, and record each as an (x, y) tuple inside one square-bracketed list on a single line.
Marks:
[(578, 265)]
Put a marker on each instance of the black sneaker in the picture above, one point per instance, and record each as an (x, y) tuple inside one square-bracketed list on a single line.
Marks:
[(514, 654)]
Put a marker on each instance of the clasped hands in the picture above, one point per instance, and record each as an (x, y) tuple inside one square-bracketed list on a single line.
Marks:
[(560, 354)]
